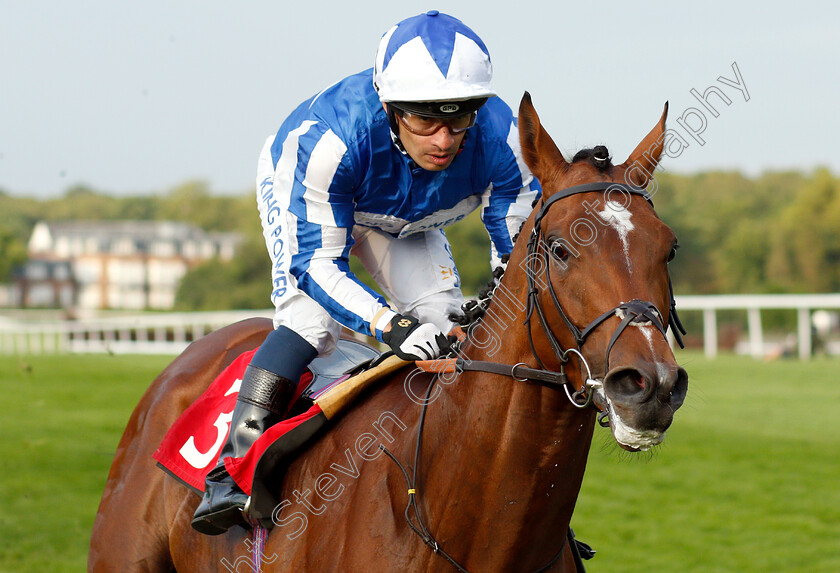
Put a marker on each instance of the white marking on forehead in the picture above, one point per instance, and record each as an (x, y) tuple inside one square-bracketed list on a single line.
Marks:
[(619, 219)]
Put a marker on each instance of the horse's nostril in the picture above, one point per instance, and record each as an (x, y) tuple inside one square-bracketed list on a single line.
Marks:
[(680, 388), (639, 380), (628, 385)]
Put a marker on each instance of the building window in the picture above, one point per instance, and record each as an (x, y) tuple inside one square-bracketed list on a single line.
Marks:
[(36, 271)]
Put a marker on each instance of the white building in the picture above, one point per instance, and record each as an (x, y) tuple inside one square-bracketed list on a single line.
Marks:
[(115, 264)]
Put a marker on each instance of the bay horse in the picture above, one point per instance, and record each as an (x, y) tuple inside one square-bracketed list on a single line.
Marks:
[(490, 458)]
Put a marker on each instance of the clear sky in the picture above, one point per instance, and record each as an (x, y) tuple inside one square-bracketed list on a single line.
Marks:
[(131, 97)]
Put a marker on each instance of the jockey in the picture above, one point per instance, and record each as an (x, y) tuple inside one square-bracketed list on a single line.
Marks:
[(376, 165)]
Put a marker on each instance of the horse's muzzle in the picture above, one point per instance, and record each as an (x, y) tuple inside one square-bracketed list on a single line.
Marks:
[(647, 394)]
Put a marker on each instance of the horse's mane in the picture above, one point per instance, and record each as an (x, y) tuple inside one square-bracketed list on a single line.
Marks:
[(473, 310)]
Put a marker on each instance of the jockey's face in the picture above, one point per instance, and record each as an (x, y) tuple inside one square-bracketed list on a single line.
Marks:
[(433, 152)]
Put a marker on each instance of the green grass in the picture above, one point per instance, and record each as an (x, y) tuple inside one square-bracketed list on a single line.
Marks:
[(747, 479), (60, 422)]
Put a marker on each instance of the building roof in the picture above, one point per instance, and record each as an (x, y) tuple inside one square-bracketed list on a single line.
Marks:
[(106, 233)]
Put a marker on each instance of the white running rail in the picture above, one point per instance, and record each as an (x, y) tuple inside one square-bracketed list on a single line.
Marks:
[(171, 333)]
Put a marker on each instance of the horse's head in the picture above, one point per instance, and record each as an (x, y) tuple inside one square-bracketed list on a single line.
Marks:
[(597, 267)]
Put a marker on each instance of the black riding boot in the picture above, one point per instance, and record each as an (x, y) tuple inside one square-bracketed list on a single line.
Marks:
[(263, 399)]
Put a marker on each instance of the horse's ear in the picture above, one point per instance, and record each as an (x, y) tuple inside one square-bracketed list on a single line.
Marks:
[(538, 149), (645, 157)]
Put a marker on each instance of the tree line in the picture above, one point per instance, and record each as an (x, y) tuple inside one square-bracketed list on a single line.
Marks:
[(775, 233)]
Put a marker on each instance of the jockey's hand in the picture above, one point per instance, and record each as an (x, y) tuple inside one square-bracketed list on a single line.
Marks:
[(411, 340)]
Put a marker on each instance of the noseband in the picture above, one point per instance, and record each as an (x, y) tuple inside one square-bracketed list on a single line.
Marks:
[(631, 312)]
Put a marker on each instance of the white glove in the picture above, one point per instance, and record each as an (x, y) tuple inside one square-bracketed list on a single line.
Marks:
[(411, 340)]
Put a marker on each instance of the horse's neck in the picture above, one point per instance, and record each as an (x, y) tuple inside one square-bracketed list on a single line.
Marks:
[(509, 454)]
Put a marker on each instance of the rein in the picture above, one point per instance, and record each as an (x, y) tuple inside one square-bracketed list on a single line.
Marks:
[(519, 372), (634, 311)]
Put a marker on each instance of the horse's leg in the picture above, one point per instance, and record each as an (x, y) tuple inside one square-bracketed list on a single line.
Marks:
[(140, 504)]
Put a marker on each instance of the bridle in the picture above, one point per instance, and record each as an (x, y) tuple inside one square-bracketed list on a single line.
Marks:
[(634, 311), (631, 312)]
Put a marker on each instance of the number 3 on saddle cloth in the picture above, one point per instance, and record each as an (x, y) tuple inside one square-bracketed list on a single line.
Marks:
[(193, 443)]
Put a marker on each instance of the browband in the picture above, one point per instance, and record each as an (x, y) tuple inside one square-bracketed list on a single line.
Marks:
[(586, 188)]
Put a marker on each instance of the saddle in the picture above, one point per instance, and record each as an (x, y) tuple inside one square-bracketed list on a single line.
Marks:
[(349, 358)]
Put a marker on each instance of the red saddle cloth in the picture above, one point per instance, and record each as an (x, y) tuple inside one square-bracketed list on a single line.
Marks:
[(192, 445)]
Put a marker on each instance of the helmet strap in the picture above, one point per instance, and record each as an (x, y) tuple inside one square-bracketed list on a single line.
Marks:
[(395, 129)]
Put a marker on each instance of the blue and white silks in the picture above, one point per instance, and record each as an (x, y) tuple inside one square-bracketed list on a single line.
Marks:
[(333, 166)]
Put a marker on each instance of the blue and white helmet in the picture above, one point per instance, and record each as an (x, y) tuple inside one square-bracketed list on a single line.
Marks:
[(432, 57)]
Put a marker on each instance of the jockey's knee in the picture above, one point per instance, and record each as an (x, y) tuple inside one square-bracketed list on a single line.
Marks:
[(310, 321)]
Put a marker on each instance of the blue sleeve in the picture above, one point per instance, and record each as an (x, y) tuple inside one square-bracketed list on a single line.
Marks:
[(321, 212), (508, 200)]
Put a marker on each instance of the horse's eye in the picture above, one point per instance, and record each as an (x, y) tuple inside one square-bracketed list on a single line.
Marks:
[(559, 251), (673, 252)]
